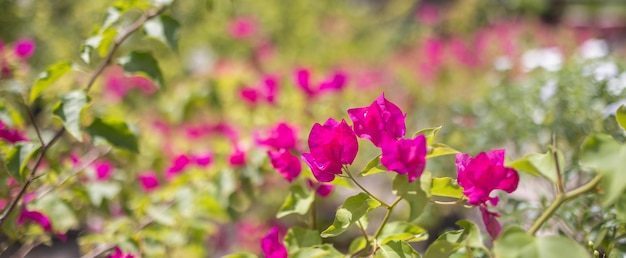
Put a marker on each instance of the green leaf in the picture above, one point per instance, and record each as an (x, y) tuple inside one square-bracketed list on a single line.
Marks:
[(513, 242), (161, 215), (17, 158), (396, 249), (440, 149), (144, 64), (164, 29), (606, 156), (352, 210), (447, 187), (402, 231), (450, 242), (99, 191), (298, 201), (357, 245), (320, 251), (61, 216), (115, 131), (412, 193), (108, 37), (298, 237), (101, 42), (47, 78), (540, 164), (69, 110), (429, 133), (373, 166), (620, 116)]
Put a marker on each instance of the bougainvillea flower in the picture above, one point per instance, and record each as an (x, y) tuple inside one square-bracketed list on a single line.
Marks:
[(237, 158), (484, 173), (405, 156), (336, 81), (9, 135), (491, 223), (179, 164), (282, 136), (148, 180), (379, 120), (322, 189), (242, 27), (118, 253), (332, 145), (36, 217), (272, 245), (24, 48), (285, 163), (103, 170), (202, 159)]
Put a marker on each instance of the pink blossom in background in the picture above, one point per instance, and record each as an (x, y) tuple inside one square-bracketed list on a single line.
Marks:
[(322, 189), (11, 135), (335, 82), (405, 156), (148, 180), (282, 136), (24, 48), (118, 84), (202, 159), (482, 174), (428, 14), (466, 53), (250, 95), (264, 51), (178, 164), (237, 158), (272, 244), (285, 163), (103, 170), (118, 253), (491, 223), (265, 92), (382, 119), (242, 27), (432, 51), (35, 217), (332, 145)]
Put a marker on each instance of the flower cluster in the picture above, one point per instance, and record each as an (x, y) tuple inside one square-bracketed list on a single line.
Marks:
[(281, 141), (334, 82)]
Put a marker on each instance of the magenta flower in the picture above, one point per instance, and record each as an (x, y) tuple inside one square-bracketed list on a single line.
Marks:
[(405, 156), (148, 180), (332, 145), (250, 95), (118, 253), (267, 91), (237, 158), (24, 48), (242, 27), (285, 163), (203, 159), (322, 189), (335, 82), (103, 170), (486, 172), (272, 245), (382, 119), (9, 135), (179, 164), (282, 136), (491, 223), (36, 217)]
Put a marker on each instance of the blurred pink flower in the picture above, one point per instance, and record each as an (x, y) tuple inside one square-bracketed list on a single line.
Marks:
[(322, 189), (203, 159), (24, 48), (332, 145), (118, 84), (11, 136), (482, 174), (38, 218), (148, 180), (285, 163), (178, 164), (267, 91), (282, 136), (405, 156), (382, 119), (491, 223), (428, 14), (242, 27), (335, 82), (272, 245), (237, 158), (103, 170), (118, 253)]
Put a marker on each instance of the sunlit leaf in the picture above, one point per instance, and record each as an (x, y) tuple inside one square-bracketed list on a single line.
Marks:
[(620, 116), (373, 166), (165, 29), (396, 249), (115, 131), (320, 251), (516, 243), (357, 245), (298, 237), (144, 64), (540, 164), (351, 211), (411, 193), (69, 110), (99, 191), (452, 241), (402, 231), (298, 201), (606, 156), (18, 157), (440, 149), (47, 78), (447, 187)]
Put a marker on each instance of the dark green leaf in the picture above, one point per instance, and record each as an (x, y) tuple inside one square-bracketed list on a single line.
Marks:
[(440, 149), (447, 187), (298, 201), (352, 210), (373, 166), (164, 29), (515, 243), (430, 134), (143, 63), (606, 156), (620, 116), (47, 78), (412, 193), (298, 237), (402, 231), (69, 110), (17, 158), (115, 131), (452, 241), (396, 249)]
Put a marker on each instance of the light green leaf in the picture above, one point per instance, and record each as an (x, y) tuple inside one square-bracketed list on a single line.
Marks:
[(164, 29), (620, 116), (298, 237), (108, 37), (412, 193), (161, 215), (69, 110), (320, 251), (47, 78), (352, 210), (298, 201), (17, 158), (115, 131), (440, 149), (99, 191), (606, 156), (402, 231), (373, 166), (515, 243), (144, 64), (396, 249), (540, 164), (357, 245), (429, 133), (61, 216), (447, 187), (450, 242)]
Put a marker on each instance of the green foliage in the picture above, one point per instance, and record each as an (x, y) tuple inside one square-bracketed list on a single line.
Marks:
[(440, 149), (115, 131), (396, 249), (144, 64), (351, 211), (430, 134), (452, 241), (165, 29), (605, 155), (412, 193), (298, 238), (298, 201), (47, 78), (514, 242), (18, 157), (373, 167), (402, 231), (446, 187), (69, 109), (540, 164)]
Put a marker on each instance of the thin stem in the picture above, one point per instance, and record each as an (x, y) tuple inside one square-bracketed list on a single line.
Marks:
[(360, 226), (387, 216), (559, 182), (32, 121), (384, 204), (314, 213), (560, 199)]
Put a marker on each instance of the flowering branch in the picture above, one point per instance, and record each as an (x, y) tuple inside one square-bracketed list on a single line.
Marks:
[(562, 198), (384, 204)]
